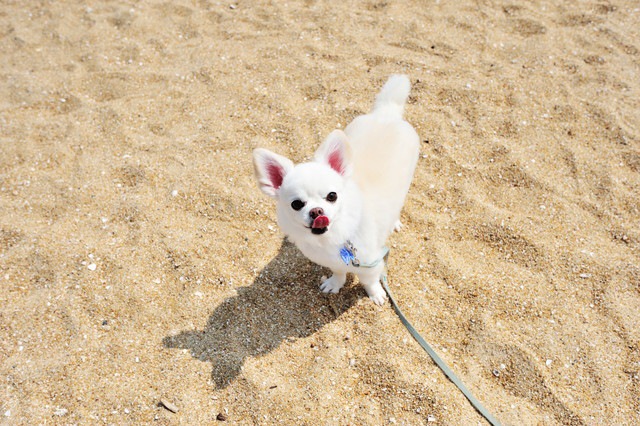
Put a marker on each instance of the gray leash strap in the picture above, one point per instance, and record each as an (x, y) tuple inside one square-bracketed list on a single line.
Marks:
[(434, 356)]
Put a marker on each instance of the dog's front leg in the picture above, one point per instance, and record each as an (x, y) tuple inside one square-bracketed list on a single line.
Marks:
[(371, 282), (335, 283)]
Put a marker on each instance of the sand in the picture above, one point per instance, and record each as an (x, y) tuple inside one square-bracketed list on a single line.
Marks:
[(139, 262)]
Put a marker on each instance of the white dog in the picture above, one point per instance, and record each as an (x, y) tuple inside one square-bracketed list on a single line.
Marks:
[(340, 208)]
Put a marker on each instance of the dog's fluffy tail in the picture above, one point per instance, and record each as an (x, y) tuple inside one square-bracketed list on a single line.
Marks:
[(393, 96)]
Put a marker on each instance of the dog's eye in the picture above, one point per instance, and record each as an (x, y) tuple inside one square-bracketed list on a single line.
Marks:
[(331, 197), (297, 204)]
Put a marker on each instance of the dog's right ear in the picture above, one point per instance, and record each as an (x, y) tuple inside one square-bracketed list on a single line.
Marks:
[(270, 170), (335, 152)]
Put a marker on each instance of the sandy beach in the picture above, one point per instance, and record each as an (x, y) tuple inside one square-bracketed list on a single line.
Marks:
[(144, 279)]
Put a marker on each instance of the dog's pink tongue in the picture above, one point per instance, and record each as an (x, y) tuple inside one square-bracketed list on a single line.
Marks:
[(320, 222)]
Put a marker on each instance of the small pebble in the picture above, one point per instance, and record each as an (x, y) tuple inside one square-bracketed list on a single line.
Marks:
[(221, 417), (60, 412), (92, 266), (496, 373), (169, 406), (431, 418)]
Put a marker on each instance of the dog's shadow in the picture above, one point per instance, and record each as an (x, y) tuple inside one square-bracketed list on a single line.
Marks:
[(283, 302)]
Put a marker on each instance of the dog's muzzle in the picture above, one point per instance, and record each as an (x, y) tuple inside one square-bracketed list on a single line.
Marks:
[(320, 225)]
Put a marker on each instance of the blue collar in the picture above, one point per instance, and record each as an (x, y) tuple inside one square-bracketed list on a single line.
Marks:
[(348, 255)]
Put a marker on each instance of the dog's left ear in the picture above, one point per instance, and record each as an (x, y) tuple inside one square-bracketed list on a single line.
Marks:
[(270, 170), (336, 152)]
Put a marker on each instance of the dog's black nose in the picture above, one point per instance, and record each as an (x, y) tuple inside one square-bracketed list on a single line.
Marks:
[(315, 212)]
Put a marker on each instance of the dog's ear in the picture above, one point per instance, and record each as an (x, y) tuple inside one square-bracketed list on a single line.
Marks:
[(270, 170), (336, 152)]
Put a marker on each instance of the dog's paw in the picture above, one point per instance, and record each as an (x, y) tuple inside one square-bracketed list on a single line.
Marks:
[(398, 226), (379, 298), (332, 285), (377, 294)]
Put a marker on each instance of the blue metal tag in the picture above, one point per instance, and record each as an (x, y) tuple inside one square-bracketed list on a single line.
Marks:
[(346, 255)]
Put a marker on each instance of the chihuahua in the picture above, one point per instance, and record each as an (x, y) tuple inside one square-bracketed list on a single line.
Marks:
[(339, 208)]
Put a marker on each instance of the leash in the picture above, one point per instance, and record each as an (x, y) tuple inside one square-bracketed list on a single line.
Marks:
[(434, 356)]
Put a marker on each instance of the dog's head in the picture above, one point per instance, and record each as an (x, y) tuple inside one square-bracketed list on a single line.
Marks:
[(313, 196)]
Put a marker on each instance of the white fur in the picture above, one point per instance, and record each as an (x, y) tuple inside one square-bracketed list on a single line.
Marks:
[(370, 167)]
